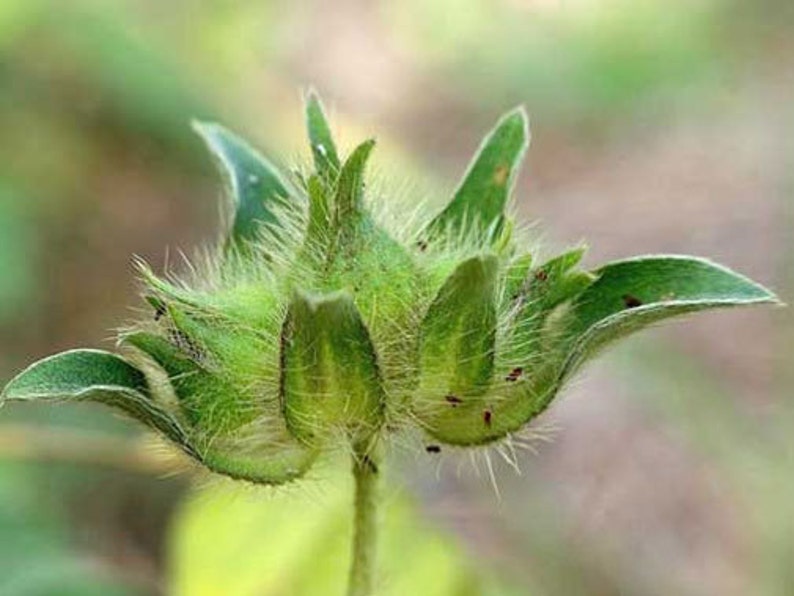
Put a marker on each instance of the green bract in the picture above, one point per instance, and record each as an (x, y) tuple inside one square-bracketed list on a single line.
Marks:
[(316, 326)]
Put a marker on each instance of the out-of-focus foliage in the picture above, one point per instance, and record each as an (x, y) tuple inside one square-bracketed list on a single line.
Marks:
[(35, 554), (297, 542), (17, 245), (592, 60)]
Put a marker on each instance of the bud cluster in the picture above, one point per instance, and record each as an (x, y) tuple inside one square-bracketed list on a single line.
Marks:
[(315, 325)]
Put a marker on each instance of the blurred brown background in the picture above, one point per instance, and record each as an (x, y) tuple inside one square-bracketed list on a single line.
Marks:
[(657, 127)]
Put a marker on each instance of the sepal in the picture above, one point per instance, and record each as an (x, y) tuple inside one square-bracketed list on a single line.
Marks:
[(330, 381)]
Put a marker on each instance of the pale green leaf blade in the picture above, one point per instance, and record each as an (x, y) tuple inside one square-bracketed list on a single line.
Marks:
[(330, 376), (480, 200), (326, 159), (254, 184), (93, 375), (632, 294)]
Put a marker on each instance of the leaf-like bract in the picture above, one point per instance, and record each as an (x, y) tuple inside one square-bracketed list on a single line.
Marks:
[(457, 333), (457, 340), (260, 451), (254, 185), (99, 376), (479, 202), (329, 378), (348, 201), (194, 387), (572, 324), (326, 159), (632, 294)]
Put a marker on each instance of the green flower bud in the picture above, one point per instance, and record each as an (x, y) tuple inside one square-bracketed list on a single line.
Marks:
[(318, 325)]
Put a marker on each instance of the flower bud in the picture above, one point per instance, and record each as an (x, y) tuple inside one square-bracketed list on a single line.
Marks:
[(317, 324)]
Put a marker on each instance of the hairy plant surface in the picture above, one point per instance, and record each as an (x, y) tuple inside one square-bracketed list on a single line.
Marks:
[(316, 324)]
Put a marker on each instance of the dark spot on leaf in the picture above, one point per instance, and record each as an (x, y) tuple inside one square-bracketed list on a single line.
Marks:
[(631, 301), (486, 417), (433, 449), (454, 400), (515, 374), (541, 275)]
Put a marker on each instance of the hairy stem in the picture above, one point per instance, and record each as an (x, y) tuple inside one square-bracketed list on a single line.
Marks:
[(363, 566)]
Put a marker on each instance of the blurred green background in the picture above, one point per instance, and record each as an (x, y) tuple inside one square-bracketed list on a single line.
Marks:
[(657, 127)]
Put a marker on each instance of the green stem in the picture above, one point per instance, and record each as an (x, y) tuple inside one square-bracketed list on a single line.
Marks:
[(362, 568)]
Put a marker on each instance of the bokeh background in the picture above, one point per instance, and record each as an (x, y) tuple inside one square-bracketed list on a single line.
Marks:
[(658, 126)]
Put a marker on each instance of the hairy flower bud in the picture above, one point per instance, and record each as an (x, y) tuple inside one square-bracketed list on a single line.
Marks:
[(317, 324)]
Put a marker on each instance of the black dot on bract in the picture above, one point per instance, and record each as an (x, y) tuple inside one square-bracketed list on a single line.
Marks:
[(514, 374), (631, 301)]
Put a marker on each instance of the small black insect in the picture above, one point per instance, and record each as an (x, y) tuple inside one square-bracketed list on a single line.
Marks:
[(186, 344), (453, 400), (159, 313), (421, 245), (631, 301), (433, 449), (373, 467), (541, 275), (515, 374), (159, 307), (486, 417)]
